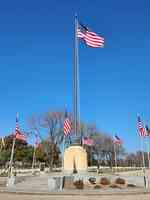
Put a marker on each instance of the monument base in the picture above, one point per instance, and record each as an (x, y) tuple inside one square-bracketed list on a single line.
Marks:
[(75, 160)]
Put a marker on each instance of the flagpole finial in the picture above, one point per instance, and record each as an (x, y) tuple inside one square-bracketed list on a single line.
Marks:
[(17, 115), (76, 16), (138, 114)]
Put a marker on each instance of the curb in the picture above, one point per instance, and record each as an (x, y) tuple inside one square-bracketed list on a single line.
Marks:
[(78, 193)]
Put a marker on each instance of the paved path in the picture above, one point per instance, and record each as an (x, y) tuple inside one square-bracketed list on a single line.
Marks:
[(5, 196)]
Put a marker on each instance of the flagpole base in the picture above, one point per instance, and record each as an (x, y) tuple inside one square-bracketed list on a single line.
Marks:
[(77, 159), (76, 141)]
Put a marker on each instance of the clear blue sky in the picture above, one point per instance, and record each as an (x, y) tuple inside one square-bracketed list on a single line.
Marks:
[(36, 59)]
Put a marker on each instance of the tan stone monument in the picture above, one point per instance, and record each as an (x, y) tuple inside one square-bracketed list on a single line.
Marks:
[(75, 158)]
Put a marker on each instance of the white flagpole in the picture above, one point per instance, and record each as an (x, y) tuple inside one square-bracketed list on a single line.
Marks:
[(142, 150), (63, 152), (141, 142), (10, 171), (75, 78), (148, 152), (148, 155), (11, 158), (115, 154), (33, 160)]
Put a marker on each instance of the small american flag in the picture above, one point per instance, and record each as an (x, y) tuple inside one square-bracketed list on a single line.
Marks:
[(141, 128), (67, 125), (147, 130), (18, 134), (87, 141), (89, 37), (117, 140)]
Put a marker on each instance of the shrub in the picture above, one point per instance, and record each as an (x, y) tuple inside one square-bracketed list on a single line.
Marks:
[(79, 184), (105, 181), (92, 180), (120, 181)]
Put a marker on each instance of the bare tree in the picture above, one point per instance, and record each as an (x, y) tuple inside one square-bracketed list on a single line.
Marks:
[(50, 123), (104, 149)]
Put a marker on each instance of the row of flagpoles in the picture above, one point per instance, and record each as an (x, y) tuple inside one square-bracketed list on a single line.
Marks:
[(143, 131)]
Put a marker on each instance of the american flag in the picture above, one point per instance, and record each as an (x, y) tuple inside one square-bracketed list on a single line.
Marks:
[(87, 141), (141, 128), (147, 130), (117, 140), (18, 134), (89, 37), (67, 125)]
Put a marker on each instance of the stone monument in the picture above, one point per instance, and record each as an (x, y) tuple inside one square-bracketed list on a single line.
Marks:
[(75, 159)]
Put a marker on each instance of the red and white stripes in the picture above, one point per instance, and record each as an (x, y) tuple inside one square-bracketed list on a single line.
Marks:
[(67, 126), (90, 38)]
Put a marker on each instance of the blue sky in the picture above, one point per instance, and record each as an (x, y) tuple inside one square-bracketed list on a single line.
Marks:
[(36, 59)]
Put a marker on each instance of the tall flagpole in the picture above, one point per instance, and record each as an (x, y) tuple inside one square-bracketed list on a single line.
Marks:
[(75, 78)]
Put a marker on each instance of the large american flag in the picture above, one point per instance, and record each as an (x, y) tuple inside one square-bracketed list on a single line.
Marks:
[(67, 125), (141, 128), (18, 134), (89, 37)]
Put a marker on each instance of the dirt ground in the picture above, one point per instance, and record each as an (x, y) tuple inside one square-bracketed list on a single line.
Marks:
[(5, 196)]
